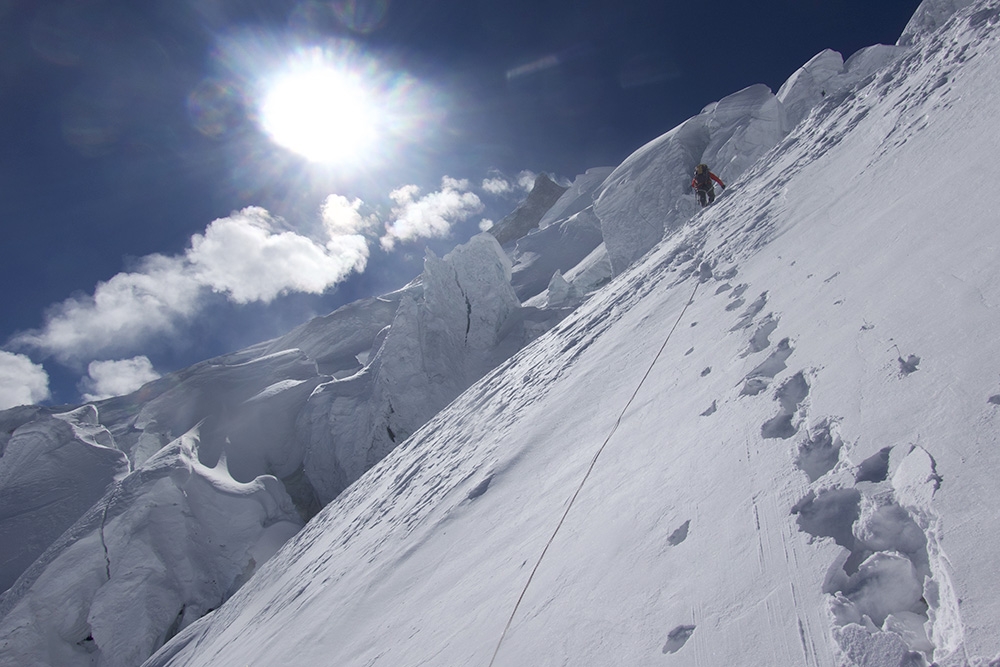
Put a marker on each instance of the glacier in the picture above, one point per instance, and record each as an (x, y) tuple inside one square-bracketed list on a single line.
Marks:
[(761, 433)]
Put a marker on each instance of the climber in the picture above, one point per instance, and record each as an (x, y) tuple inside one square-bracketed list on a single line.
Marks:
[(702, 183)]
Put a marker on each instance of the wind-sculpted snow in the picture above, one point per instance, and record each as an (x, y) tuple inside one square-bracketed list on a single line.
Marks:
[(165, 545), (841, 512), (53, 469)]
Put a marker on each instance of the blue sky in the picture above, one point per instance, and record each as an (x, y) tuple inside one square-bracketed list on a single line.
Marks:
[(153, 216)]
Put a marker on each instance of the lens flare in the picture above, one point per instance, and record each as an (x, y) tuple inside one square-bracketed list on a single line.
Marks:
[(215, 108)]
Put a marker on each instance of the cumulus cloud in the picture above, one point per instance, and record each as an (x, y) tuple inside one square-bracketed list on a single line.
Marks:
[(116, 378), (121, 313), (244, 256), (485, 225), (342, 216), (430, 216), (497, 185), (526, 180), (22, 382)]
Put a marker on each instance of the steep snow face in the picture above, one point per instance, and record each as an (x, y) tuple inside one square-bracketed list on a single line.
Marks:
[(645, 196), (651, 193), (434, 350), (776, 435), (930, 16), (341, 343), (810, 84), (164, 546), (52, 470), (579, 196), (558, 247)]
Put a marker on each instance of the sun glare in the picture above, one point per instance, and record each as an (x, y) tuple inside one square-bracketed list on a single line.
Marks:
[(320, 112)]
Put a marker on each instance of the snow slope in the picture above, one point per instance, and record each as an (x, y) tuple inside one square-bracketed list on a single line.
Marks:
[(771, 441), (127, 520)]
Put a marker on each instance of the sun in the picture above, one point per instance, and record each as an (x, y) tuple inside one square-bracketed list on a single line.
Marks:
[(322, 112)]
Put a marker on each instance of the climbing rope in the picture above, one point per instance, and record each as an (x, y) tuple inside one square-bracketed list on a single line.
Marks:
[(590, 469)]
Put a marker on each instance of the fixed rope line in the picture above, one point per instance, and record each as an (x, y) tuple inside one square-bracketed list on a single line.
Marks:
[(590, 469)]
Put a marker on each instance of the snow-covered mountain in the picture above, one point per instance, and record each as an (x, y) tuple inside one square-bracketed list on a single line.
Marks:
[(764, 433)]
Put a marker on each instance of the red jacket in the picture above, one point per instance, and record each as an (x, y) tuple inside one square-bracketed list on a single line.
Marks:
[(694, 181)]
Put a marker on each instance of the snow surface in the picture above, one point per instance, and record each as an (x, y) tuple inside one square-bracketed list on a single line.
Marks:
[(803, 475), (52, 470), (769, 440)]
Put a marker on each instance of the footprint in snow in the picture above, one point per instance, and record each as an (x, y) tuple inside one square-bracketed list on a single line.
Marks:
[(761, 338), (677, 637), (909, 365), (679, 535), (746, 318), (820, 451), (790, 397), (758, 379), (875, 468)]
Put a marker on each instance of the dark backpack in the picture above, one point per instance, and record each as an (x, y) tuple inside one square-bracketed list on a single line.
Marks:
[(702, 177)]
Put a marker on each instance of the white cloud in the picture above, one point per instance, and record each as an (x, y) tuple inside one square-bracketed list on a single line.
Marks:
[(242, 256), (526, 179), (431, 216), (342, 216), (116, 378), (22, 382), (404, 195), (497, 185), (122, 312), (486, 224)]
